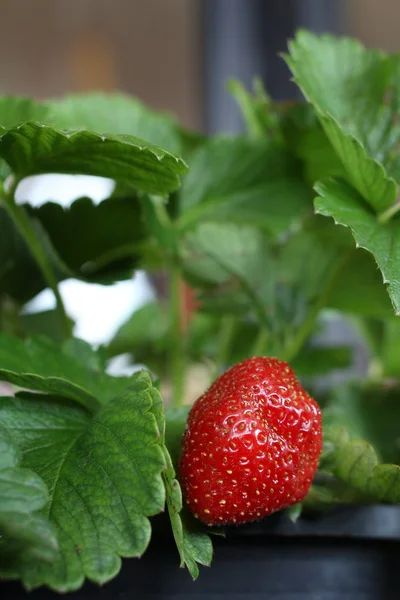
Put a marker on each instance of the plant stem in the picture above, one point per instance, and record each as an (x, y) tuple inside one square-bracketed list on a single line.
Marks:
[(226, 332), (386, 215), (177, 349), (25, 228), (260, 342)]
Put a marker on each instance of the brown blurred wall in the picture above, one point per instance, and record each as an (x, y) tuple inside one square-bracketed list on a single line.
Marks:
[(149, 48), (374, 22), (145, 47)]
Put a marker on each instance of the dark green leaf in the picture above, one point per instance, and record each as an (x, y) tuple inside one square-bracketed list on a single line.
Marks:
[(20, 277), (370, 413), (46, 323), (320, 360), (24, 533), (97, 243), (244, 181), (305, 136), (42, 365), (104, 477), (344, 205), (143, 335), (33, 149)]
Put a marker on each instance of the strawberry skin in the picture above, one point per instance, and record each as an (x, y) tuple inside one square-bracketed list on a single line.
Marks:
[(251, 444)]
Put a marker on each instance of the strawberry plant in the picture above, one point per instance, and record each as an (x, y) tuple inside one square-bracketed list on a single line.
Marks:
[(275, 236)]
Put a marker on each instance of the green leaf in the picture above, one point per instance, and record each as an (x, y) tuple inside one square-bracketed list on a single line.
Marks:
[(104, 477), (305, 137), (24, 533), (193, 543), (20, 277), (344, 205), (244, 181), (33, 149), (294, 512), (40, 364), (46, 323), (349, 86), (259, 113), (320, 360), (216, 253), (355, 462), (370, 413), (322, 256), (106, 237), (18, 109), (115, 113), (143, 334)]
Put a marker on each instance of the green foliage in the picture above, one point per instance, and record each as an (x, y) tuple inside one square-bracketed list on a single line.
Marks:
[(26, 535), (355, 94), (104, 470), (42, 365), (345, 206), (117, 114), (87, 458), (34, 149), (244, 181)]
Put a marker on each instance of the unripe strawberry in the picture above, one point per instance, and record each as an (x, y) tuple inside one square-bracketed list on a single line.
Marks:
[(251, 444)]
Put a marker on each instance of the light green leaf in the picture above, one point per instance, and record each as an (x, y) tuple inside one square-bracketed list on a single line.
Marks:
[(355, 462), (24, 533), (33, 149), (40, 364), (244, 181), (259, 113), (18, 109), (104, 477), (349, 88), (344, 205), (115, 113), (294, 512)]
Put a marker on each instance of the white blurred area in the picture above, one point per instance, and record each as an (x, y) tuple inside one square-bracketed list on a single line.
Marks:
[(98, 310)]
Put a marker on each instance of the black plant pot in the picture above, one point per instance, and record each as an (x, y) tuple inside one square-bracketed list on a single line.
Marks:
[(352, 553)]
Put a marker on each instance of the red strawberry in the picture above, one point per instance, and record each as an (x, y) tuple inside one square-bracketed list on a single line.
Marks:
[(251, 444)]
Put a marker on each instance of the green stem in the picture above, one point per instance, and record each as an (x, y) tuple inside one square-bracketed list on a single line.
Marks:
[(260, 342), (25, 228), (386, 215), (227, 329), (304, 332), (177, 349)]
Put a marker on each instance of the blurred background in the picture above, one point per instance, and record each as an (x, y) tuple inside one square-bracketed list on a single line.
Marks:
[(175, 55)]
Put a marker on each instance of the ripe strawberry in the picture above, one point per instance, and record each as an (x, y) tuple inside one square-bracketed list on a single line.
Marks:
[(251, 444)]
